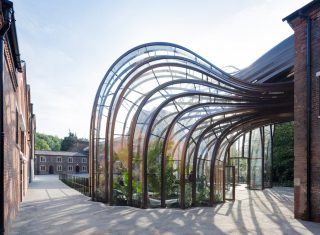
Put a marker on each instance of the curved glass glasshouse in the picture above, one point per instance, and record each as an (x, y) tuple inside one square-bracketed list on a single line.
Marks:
[(170, 129)]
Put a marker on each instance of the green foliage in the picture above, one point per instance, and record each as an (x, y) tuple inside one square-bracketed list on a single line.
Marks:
[(120, 187), (47, 142), (218, 197), (41, 144), (68, 141), (154, 173), (188, 194), (283, 153), (203, 190), (171, 180)]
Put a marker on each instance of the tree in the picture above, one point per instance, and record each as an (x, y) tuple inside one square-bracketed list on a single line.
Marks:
[(283, 153), (41, 144), (47, 142), (68, 141)]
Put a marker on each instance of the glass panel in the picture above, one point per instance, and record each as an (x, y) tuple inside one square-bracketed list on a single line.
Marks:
[(120, 171), (154, 172), (218, 182), (243, 170), (203, 183), (229, 183), (256, 160), (100, 192), (267, 157)]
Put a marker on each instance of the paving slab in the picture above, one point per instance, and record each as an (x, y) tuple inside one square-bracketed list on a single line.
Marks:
[(51, 207)]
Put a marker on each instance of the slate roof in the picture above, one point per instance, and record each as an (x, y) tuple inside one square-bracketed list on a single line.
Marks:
[(59, 153)]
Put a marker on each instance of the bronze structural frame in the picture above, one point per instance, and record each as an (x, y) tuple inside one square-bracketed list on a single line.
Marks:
[(164, 98)]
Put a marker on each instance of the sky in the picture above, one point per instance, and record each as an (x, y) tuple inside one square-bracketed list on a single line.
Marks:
[(68, 45)]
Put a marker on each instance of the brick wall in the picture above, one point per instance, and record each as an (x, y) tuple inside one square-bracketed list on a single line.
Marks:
[(299, 26), (11, 157), (17, 145), (315, 144)]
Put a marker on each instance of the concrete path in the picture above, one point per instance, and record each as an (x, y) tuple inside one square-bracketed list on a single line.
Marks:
[(53, 208)]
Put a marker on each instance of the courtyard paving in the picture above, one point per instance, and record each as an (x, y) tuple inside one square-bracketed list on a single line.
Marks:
[(51, 207)]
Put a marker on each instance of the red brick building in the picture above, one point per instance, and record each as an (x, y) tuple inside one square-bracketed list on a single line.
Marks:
[(306, 25), (17, 125)]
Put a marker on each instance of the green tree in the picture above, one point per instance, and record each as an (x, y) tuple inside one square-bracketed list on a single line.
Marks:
[(47, 142), (41, 144), (283, 153), (68, 141)]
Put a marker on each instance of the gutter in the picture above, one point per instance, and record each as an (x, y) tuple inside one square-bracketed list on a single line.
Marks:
[(7, 11), (13, 41)]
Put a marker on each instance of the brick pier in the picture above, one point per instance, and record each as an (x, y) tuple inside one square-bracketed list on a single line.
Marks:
[(305, 208)]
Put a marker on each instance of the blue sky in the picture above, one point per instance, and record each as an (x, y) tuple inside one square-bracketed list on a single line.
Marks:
[(68, 45)]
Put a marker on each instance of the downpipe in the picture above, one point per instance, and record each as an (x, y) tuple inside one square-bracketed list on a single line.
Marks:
[(308, 55)]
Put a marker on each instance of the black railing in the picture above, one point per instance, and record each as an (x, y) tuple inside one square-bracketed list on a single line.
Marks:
[(79, 183), (288, 183)]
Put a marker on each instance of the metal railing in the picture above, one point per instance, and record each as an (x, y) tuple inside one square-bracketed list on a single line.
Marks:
[(288, 183), (79, 183)]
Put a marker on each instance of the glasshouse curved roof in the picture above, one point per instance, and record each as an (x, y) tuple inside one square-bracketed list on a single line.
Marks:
[(165, 122)]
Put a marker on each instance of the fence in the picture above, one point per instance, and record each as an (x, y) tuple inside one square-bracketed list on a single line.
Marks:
[(79, 183), (288, 183)]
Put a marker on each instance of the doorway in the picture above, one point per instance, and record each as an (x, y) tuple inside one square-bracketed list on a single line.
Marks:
[(77, 169), (51, 171)]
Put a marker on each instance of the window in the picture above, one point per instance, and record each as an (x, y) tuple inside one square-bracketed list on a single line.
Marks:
[(59, 168), (59, 159), (84, 160), (70, 168), (84, 168), (42, 168), (70, 160), (22, 142), (42, 159)]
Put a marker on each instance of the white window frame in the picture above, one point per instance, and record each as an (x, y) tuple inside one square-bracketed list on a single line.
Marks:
[(59, 159), (84, 160), (70, 158), (43, 168), (84, 169), (70, 168), (43, 159), (59, 167)]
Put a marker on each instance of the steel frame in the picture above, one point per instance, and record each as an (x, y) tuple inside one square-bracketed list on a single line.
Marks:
[(166, 95)]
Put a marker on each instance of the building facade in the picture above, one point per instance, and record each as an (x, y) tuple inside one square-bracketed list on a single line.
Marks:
[(55, 162), (17, 125)]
